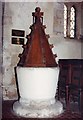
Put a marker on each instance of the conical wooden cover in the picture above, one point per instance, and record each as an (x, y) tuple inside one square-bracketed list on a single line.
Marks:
[(37, 51)]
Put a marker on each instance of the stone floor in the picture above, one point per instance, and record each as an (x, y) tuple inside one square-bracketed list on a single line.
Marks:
[(8, 114)]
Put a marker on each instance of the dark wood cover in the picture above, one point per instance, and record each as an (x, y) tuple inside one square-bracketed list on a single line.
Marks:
[(37, 51)]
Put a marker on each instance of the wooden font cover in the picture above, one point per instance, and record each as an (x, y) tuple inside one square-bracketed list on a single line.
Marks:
[(37, 51)]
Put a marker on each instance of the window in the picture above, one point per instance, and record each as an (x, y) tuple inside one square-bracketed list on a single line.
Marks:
[(69, 22), (65, 21), (72, 22)]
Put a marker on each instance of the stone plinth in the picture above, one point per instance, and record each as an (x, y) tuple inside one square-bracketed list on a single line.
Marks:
[(38, 109)]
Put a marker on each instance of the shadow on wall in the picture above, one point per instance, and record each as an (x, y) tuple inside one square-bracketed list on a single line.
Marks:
[(17, 83)]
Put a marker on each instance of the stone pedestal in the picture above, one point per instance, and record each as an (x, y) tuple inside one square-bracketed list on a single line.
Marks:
[(37, 87), (38, 109)]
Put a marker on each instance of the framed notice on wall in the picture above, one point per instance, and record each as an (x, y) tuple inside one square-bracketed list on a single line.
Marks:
[(18, 37)]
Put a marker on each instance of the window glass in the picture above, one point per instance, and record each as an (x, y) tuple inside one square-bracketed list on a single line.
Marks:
[(65, 21), (72, 22)]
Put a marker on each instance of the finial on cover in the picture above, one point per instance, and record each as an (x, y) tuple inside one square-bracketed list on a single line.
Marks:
[(37, 15)]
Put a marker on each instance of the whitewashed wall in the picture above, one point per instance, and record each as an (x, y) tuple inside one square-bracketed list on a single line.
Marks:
[(65, 48), (19, 16)]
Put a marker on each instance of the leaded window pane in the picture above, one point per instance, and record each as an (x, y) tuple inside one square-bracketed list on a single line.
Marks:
[(65, 21), (72, 22)]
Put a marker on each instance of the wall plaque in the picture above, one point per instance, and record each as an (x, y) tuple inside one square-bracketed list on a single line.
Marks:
[(19, 33), (18, 41)]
